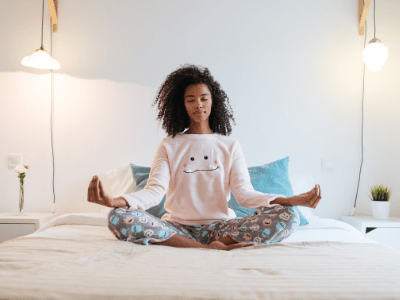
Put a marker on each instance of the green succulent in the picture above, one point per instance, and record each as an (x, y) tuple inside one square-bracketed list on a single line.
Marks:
[(380, 193)]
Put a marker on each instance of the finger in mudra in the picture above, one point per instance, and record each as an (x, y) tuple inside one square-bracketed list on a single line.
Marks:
[(309, 199), (96, 193)]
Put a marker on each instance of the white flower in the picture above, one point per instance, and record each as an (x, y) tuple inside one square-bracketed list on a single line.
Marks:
[(20, 169), (26, 166)]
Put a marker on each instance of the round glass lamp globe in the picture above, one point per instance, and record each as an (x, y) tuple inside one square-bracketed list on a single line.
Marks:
[(374, 55)]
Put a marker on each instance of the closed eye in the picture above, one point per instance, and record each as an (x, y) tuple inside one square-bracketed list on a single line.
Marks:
[(201, 99)]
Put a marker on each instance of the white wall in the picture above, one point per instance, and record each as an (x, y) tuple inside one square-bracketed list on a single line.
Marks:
[(292, 70)]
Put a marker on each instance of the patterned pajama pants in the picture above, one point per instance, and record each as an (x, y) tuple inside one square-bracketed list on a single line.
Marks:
[(264, 226)]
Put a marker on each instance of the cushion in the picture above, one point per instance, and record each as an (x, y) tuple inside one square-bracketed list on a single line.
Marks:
[(92, 219), (302, 184), (272, 178), (140, 177), (118, 182)]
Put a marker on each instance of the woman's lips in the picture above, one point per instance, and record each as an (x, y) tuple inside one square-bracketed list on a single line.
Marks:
[(199, 112)]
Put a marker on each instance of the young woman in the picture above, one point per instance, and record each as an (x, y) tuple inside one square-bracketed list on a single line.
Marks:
[(197, 169)]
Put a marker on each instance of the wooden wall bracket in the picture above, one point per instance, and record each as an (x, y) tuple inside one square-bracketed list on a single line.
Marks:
[(53, 6), (362, 14)]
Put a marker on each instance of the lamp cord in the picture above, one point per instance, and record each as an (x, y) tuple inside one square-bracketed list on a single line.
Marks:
[(374, 21), (42, 25), (362, 123), (51, 113)]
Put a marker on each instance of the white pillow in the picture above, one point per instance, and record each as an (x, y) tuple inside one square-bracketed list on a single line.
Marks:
[(93, 219), (119, 181), (302, 184), (105, 210)]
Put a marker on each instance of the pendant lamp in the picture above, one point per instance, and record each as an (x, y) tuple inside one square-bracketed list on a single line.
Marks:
[(40, 59), (375, 53)]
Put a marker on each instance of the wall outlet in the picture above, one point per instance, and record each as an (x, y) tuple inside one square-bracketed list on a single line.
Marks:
[(14, 160), (327, 165)]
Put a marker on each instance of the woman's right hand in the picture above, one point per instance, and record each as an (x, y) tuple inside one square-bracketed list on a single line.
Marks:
[(97, 195), (221, 246)]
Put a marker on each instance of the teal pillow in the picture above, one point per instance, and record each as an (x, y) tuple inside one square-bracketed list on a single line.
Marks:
[(272, 178), (140, 177)]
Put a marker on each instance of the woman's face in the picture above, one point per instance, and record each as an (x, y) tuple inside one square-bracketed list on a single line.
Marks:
[(198, 102)]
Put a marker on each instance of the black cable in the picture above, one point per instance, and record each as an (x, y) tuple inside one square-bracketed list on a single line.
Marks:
[(51, 113), (42, 25), (374, 20), (362, 118)]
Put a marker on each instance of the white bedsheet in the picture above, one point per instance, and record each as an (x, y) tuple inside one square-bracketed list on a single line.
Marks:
[(325, 229), (318, 229), (77, 257)]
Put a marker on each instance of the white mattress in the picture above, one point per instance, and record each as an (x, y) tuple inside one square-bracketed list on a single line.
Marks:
[(75, 256)]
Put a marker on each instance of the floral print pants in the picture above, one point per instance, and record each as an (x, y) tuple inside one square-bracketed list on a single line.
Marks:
[(264, 226)]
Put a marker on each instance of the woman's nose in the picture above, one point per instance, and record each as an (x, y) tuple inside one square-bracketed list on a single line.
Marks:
[(198, 104)]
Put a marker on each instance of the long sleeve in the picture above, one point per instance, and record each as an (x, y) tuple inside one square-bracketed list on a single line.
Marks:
[(240, 183), (157, 183)]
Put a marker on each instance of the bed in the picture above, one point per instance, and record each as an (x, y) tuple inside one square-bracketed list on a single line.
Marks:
[(75, 256)]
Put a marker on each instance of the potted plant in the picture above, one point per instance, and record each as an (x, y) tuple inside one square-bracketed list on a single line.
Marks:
[(380, 202)]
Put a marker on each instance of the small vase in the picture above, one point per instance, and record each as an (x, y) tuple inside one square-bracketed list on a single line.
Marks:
[(380, 210), (21, 201)]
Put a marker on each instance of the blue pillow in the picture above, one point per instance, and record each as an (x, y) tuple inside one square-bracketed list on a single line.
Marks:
[(272, 178), (140, 177)]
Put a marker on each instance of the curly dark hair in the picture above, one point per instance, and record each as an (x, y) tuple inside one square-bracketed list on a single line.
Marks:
[(171, 106)]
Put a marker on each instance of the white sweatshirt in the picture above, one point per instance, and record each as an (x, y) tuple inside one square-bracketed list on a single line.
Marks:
[(198, 172)]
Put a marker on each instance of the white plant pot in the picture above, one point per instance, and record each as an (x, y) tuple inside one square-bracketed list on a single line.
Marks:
[(380, 210)]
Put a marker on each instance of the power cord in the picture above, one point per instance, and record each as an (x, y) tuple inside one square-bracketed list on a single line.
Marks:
[(53, 206), (362, 128)]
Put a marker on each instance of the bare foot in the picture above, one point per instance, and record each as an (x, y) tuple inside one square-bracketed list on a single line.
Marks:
[(227, 240), (239, 245), (221, 246)]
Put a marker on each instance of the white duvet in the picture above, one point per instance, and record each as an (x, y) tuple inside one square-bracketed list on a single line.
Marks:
[(75, 256)]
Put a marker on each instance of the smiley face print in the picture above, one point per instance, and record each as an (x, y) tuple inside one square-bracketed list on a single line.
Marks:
[(200, 164)]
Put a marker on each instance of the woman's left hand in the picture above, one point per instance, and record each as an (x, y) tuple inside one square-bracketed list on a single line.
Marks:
[(309, 199)]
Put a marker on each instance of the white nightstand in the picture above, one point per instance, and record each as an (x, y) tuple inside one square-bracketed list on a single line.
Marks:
[(386, 232), (12, 226)]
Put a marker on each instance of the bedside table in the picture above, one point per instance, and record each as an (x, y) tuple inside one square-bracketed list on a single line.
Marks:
[(12, 226), (386, 232)]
